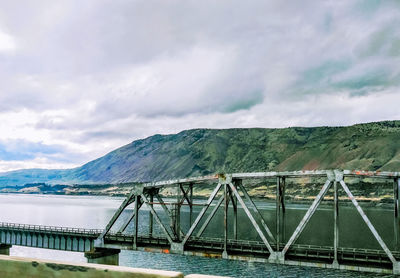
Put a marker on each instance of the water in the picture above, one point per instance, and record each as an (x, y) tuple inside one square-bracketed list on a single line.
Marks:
[(95, 212)]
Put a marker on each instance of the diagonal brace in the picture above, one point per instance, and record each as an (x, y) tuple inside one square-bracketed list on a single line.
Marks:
[(201, 214), (154, 213), (369, 224), (264, 224), (185, 195), (210, 216), (253, 221), (307, 217), (166, 210), (125, 203), (128, 221)]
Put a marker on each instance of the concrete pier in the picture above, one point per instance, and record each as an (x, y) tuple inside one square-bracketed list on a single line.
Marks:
[(103, 256), (5, 249)]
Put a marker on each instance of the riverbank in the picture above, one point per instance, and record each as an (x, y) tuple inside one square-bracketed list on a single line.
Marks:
[(304, 194)]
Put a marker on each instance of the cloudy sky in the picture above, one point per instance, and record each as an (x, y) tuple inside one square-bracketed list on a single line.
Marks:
[(81, 78)]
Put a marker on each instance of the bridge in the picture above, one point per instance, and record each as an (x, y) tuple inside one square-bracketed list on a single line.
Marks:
[(182, 221)]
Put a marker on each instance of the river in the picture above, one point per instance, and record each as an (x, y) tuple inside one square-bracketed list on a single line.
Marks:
[(95, 211)]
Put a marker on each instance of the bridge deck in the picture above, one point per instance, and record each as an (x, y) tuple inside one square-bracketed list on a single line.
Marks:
[(81, 240)]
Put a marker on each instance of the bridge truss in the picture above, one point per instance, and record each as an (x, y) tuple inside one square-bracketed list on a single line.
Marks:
[(229, 195)]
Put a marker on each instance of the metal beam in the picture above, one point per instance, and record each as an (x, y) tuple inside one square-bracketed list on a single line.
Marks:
[(307, 217), (314, 173), (336, 222), (121, 208), (225, 216), (252, 220), (177, 215), (191, 204), (196, 222), (163, 228), (151, 216), (185, 194), (128, 221), (254, 207), (235, 216), (166, 210), (283, 188), (278, 211), (136, 221), (396, 223), (369, 224), (210, 216)]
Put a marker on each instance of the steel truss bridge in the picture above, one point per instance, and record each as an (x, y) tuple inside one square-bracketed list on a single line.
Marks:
[(229, 194)]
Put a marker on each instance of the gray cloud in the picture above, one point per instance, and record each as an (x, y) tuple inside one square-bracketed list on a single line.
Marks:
[(106, 72)]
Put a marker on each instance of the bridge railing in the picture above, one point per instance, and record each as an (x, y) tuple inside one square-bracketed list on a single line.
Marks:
[(39, 228)]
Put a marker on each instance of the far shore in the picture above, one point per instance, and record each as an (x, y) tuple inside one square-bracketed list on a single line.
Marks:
[(258, 194)]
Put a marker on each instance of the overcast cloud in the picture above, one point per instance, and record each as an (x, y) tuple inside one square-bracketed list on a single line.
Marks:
[(81, 78)]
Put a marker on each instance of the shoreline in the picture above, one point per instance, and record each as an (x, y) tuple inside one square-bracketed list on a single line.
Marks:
[(306, 202)]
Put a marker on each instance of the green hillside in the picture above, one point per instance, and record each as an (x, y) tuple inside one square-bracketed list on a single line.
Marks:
[(372, 146)]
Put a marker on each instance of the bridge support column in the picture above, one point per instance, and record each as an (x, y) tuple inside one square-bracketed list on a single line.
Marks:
[(5, 249), (396, 268), (103, 256), (177, 248), (277, 258)]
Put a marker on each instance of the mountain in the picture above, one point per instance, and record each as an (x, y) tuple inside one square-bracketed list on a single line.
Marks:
[(371, 146)]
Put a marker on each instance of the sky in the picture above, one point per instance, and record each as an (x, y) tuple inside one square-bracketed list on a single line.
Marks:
[(81, 78)]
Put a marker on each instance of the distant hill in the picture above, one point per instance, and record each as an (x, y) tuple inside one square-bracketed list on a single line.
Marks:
[(371, 146)]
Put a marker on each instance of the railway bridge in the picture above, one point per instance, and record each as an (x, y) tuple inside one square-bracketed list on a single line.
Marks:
[(163, 229)]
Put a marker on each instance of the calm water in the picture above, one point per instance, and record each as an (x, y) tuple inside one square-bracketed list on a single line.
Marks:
[(94, 212)]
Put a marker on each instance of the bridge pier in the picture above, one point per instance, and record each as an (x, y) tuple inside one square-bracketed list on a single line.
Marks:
[(5, 249), (176, 248), (106, 256)]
